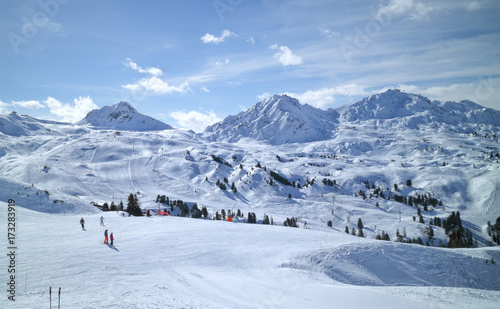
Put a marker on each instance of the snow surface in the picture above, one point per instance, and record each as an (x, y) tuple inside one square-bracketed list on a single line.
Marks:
[(173, 262), (55, 170)]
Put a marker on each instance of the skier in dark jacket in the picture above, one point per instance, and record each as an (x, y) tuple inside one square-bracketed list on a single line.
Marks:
[(106, 236), (82, 222), (111, 238)]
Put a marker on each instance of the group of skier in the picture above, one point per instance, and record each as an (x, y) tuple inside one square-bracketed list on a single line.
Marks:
[(106, 239)]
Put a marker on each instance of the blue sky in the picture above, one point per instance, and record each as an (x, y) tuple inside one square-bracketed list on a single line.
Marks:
[(192, 63)]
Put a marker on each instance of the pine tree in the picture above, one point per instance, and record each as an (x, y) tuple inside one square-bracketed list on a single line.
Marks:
[(346, 229), (130, 203), (133, 207), (266, 219), (353, 231), (360, 224), (195, 211), (360, 233)]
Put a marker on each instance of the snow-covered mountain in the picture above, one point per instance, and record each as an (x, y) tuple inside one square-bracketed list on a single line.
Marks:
[(279, 119), (22, 125), (396, 108), (122, 116)]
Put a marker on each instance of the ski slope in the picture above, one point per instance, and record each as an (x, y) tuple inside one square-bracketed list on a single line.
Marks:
[(173, 262)]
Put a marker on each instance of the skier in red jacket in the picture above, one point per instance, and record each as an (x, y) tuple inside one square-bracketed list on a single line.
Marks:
[(106, 236), (111, 238)]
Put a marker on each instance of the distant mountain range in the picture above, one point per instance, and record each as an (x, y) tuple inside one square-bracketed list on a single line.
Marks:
[(281, 119)]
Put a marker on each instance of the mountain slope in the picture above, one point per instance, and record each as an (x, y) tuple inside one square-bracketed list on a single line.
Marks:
[(171, 262), (23, 125), (279, 119), (122, 116)]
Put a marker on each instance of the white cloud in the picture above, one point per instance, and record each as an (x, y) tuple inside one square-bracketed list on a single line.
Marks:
[(28, 104), (263, 96), (210, 38), (285, 55), (472, 5), (328, 33), (218, 62), (4, 107), (322, 97), (152, 84), (195, 120), (205, 89), (156, 85), (415, 10), (251, 40), (151, 71), (70, 113)]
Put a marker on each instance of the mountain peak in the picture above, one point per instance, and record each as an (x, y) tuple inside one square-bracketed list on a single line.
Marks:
[(278, 119), (123, 116), (395, 107)]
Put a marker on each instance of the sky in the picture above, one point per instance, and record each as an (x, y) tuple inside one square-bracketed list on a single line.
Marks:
[(193, 63)]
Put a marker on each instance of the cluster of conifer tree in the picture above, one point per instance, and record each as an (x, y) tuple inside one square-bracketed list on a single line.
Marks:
[(221, 160), (110, 207), (291, 222), (133, 207), (222, 185), (328, 182)]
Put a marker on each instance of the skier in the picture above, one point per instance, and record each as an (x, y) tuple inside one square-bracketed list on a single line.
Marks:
[(112, 238), (82, 222), (106, 236), (102, 221)]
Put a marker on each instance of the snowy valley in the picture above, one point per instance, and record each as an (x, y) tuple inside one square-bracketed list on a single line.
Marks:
[(393, 165)]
